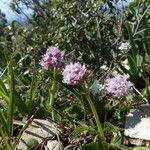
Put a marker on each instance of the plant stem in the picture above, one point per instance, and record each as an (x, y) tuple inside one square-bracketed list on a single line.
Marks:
[(4, 139), (53, 93), (100, 130)]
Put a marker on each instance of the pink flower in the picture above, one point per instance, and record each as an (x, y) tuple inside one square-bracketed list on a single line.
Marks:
[(119, 86), (75, 73), (53, 58)]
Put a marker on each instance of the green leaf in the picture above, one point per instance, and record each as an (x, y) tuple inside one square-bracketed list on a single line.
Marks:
[(116, 143), (3, 121), (132, 42), (141, 148), (3, 88), (121, 147), (92, 146), (145, 24), (11, 105), (75, 111), (113, 128), (139, 59), (81, 129), (133, 66), (20, 104), (3, 91), (1, 147), (116, 140)]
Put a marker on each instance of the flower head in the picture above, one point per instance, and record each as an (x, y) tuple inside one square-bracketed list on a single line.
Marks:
[(53, 58), (119, 86), (104, 67), (124, 47), (75, 73)]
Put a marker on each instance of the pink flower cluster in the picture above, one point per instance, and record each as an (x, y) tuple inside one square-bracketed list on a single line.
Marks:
[(53, 58), (119, 86), (75, 73)]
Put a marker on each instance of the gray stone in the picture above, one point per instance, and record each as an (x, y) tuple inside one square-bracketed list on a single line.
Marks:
[(40, 130), (138, 123), (54, 145)]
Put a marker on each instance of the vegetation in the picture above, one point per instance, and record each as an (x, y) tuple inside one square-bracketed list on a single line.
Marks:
[(63, 66)]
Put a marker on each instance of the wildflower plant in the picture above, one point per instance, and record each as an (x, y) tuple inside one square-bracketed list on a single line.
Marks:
[(74, 74), (53, 60), (90, 40), (124, 47), (119, 86)]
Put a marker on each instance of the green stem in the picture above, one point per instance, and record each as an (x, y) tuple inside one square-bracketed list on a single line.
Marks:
[(4, 139), (20, 134), (100, 130), (53, 91)]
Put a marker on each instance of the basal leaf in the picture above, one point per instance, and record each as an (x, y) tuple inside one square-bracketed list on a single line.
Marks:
[(141, 148), (133, 66), (81, 129), (3, 91), (92, 146), (21, 105), (11, 105)]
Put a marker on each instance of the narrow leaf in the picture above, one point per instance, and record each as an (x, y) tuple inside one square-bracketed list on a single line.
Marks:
[(92, 146), (21, 105), (133, 66), (3, 91), (80, 129), (132, 41), (11, 105), (3, 121)]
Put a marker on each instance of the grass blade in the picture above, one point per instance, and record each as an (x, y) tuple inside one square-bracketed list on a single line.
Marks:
[(11, 105), (132, 41), (3, 121), (5, 139), (3, 91)]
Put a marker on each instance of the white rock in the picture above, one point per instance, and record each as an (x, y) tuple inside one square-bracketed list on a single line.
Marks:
[(39, 130), (54, 145), (138, 123)]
